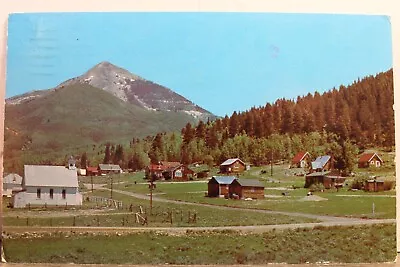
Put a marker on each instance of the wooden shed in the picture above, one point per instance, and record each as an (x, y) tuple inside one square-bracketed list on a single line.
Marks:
[(219, 185), (374, 185), (328, 179), (246, 188), (232, 166)]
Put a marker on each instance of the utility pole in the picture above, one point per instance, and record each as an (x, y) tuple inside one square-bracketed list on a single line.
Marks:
[(272, 160), (111, 187), (151, 187), (91, 179)]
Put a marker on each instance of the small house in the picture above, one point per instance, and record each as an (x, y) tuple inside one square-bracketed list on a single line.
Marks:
[(178, 173), (219, 185), (232, 166), (374, 185), (369, 159), (322, 163), (92, 171), (329, 179), (301, 160), (12, 183), (162, 170), (246, 188), (109, 169), (48, 185)]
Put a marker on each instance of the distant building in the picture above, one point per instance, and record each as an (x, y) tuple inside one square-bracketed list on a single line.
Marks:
[(12, 183), (219, 185), (234, 165), (301, 160), (322, 163), (369, 159), (109, 169), (329, 179), (48, 185), (374, 185), (164, 170), (92, 171), (71, 163), (246, 188), (178, 173)]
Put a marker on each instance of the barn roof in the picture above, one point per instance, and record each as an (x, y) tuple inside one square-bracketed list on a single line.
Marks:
[(320, 162), (169, 164), (109, 167), (231, 161), (315, 174), (250, 182), (57, 176), (223, 179), (13, 178), (299, 157), (367, 157)]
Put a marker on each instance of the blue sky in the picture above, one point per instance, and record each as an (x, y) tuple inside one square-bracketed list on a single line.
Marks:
[(220, 61)]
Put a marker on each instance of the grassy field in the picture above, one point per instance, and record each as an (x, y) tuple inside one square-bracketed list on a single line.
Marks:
[(341, 203), (356, 244), (161, 216)]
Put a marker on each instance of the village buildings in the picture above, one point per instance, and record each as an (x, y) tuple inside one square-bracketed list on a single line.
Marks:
[(166, 170), (370, 160), (48, 186)]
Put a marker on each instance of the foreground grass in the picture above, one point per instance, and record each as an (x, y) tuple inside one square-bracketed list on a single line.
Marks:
[(162, 215), (374, 243)]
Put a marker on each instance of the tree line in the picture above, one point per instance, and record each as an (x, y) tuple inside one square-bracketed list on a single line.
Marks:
[(340, 122)]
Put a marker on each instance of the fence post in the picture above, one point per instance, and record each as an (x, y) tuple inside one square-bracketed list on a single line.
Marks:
[(51, 221), (27, 221), (74, 222), (98, 220)]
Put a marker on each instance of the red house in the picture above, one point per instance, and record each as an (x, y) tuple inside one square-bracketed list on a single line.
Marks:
[(370, 159), (169, 170), (232, 166), (301, 160)]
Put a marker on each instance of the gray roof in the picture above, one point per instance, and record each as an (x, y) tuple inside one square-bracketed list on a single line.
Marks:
[(109, 167), (320, 162), (250, 182), (12, 178), (231, 161), (314, 174), (57, 176), (224, 179)]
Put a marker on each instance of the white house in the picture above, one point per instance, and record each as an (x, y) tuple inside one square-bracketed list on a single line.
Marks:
[(11, 183), (48, 185)]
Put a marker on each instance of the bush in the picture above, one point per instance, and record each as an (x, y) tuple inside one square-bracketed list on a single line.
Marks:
[(317, 187), (388, 185), (358, 183)]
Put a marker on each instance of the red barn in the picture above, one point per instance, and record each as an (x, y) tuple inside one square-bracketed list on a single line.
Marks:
[(370, 159), (232, 166)]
